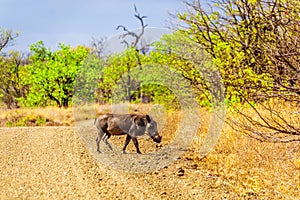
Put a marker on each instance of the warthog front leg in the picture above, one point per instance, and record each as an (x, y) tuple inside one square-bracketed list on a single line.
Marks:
[(128, 138), (136, 144)]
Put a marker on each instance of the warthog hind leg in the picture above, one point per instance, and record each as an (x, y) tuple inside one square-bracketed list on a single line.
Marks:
[(98, 139), (128, 138), (105, 139)]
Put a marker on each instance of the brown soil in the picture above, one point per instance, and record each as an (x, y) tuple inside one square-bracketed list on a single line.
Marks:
[(52, 163)]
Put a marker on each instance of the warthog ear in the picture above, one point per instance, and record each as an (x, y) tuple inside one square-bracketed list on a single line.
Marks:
[(139, 121), (148, 118)]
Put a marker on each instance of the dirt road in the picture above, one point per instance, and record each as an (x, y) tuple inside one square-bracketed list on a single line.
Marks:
[(52, 163)]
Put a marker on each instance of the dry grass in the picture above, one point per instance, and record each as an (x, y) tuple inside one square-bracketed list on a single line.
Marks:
[(53, 116), (250, 168), (49, 116), (239, 167), (269, 117)]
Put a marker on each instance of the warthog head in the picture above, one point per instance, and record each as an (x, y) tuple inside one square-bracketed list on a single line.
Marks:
[(151, 129)]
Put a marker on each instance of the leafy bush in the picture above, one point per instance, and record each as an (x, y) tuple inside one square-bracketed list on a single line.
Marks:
[(51, 75)]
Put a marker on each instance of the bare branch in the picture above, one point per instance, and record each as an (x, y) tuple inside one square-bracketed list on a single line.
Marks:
[(6, 37), (98, 46), (137, 37)]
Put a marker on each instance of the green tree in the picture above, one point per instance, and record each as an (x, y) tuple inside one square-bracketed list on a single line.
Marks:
[(124, 78), (51, 75), (87, 80), (256, 46), (118, 72), (11, 76), (179, 52)]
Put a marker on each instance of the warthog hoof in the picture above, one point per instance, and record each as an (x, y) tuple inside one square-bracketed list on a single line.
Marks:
[(99, 151), (110, 148)]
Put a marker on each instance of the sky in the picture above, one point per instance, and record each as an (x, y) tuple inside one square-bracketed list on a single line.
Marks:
[(76, 22)]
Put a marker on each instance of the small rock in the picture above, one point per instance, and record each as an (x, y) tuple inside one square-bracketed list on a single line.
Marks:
[(180, 172), (195, 166)]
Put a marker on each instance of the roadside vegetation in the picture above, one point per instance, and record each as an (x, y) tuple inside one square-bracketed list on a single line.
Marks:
[(242, 55)]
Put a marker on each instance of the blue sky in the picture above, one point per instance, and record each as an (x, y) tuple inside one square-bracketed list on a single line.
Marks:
[(75, 22)]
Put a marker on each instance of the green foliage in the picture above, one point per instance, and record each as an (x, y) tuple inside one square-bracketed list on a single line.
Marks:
[(11, 76), (51, 75), (118, 72), (26, 120), (30, 120), (131, 76), (251, 49), (160, 94), (179, 52), (87, 80)]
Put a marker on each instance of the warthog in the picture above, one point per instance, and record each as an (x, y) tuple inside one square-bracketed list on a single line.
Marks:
[(133, 125)]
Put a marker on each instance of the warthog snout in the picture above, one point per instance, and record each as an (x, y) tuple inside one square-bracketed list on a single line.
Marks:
[(157, 138)]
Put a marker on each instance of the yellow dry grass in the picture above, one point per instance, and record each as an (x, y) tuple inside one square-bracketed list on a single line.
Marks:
[(279, 114), (251, 168), (48, 116)]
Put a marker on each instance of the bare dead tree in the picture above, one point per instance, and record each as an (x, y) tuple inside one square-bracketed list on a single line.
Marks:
[(98, 46), (137, 37), (139, 45)]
